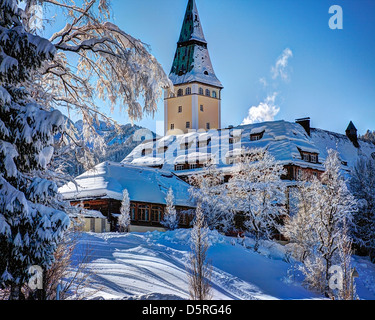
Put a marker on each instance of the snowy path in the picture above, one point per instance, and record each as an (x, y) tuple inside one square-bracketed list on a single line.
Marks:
[(152, 266)]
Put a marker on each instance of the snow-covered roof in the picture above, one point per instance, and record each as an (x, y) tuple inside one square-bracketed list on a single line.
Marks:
[(109, 179), (201, 70), (284, 140)]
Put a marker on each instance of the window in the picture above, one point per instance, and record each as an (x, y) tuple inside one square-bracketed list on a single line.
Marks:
[(188, 125), (201, 91), (201, 107), (172, 126), (143, 213), (314, 158), (255, 137), (156, 213), (188, 91), (179, 109), (214, 94), (208, 126), (208, 93), (180, 93), (193, 166), (132, 211), (306, 157), (180, 167)]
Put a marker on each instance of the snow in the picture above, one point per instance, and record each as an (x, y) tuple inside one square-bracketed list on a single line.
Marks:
[(193, 157), (109, 179), (152, 266), (202, 70), (282, 139)]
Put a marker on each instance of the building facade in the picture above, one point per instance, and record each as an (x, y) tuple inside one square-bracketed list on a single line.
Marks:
[(195, 103)]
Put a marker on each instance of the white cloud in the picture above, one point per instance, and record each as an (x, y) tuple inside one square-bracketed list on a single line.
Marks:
[(265, 111), (280, 68)]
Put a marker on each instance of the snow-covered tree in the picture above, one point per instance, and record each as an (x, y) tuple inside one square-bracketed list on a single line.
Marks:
[(362, 185), (208, 189), (199, 270), (298, 227), (170, 220), (94, 60), (330, 209), (32, 220), (124, 218), (257, 191)]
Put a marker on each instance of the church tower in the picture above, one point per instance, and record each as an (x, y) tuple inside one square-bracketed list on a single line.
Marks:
[(195, 103)]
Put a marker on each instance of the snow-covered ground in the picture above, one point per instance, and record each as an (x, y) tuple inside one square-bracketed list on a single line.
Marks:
[(152, 266)]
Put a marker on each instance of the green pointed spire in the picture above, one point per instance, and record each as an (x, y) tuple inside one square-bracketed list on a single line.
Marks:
[(192, 61), (191, 28)]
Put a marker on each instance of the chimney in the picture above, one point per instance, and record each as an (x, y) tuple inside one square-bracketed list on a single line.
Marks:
[(305, 123), (351, 133)]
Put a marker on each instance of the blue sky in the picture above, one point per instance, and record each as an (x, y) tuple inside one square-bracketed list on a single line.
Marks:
[(330, 75)]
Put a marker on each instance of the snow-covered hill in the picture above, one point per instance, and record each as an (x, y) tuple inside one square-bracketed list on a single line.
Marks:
[(118, 144), (152, 266)]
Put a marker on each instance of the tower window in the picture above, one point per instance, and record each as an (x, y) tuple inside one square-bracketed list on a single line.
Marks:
[(208, 93), (214, 95), (208, 127), (201, 90), (179, 109), (172, 126), (201, 108), (187, 124), (180, 93), (188, 91)]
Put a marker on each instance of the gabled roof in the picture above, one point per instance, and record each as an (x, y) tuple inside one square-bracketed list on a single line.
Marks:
[(192, 61), (109, 179)]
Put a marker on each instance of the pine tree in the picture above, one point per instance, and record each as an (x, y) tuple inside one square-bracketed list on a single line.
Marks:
[(257, 191), (199, 270), (170, 220), (362, 185), (32, 220), (124, 219)]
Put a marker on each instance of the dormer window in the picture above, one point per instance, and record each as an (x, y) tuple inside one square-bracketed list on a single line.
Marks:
[(257, 133), (256, 136), (311, 157)]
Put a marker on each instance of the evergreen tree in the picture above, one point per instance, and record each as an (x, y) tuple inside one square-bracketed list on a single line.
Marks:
[(362, 185), (32, 220), (124, 219), (170, 220), (199, 271), (257, 191)]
